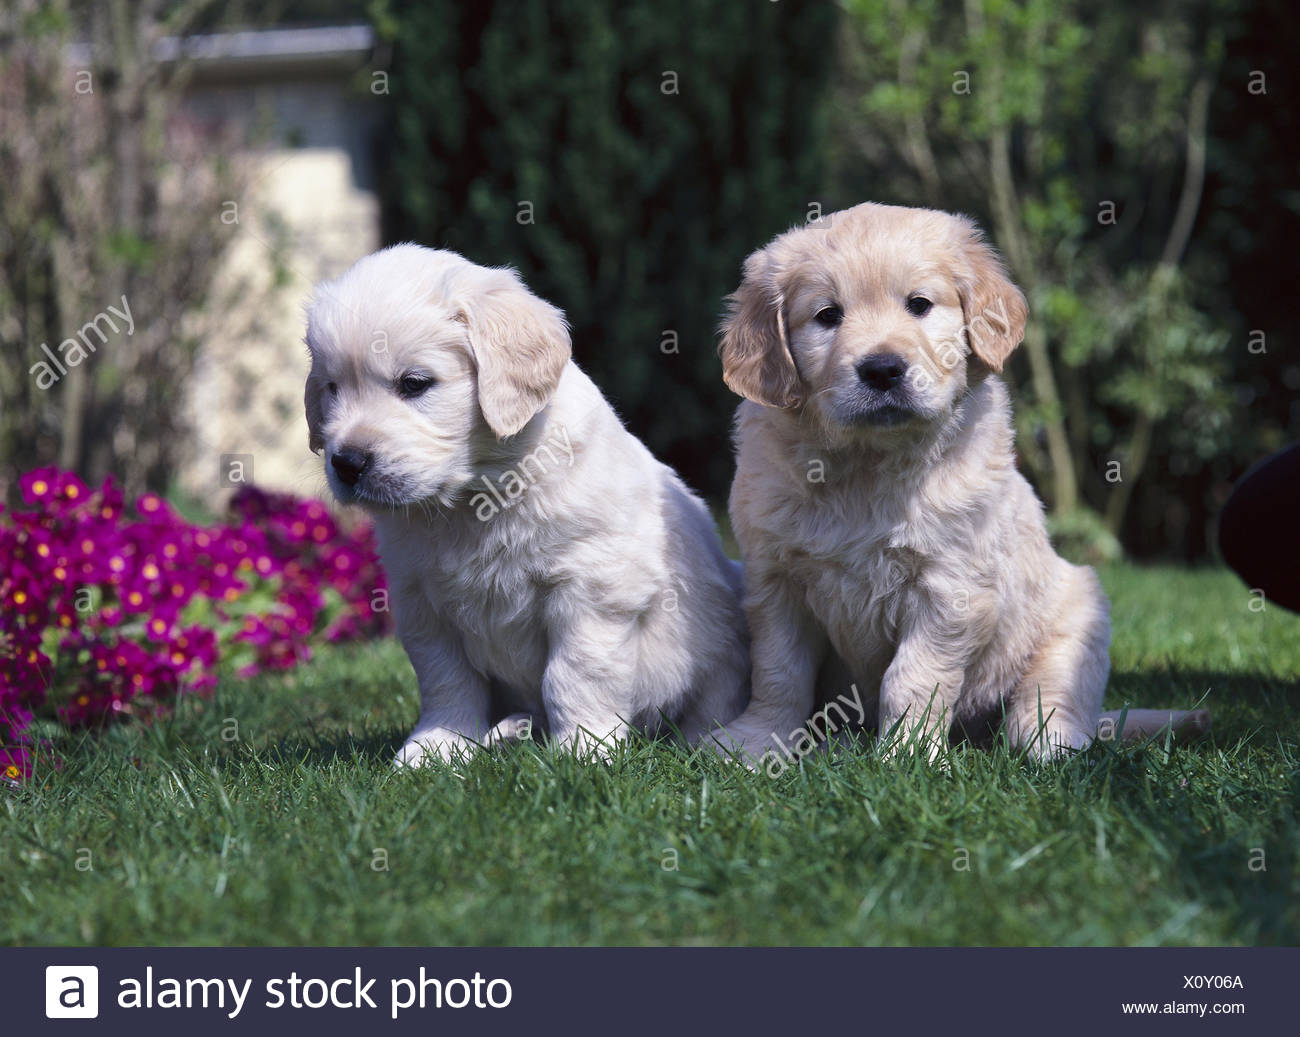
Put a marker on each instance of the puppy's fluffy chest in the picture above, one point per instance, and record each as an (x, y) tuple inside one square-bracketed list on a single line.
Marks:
[(487, 582), (868, 560), (871, 539)]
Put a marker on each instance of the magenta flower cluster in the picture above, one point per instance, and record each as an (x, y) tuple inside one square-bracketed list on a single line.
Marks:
[(108, 612)]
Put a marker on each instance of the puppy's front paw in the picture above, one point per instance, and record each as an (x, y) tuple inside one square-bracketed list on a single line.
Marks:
[(752, 744), (434, 747), (898, 745), (587, 744), (518, 727)]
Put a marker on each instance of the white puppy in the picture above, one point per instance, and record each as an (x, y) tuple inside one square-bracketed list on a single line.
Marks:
[(880, 515), (540, 559)]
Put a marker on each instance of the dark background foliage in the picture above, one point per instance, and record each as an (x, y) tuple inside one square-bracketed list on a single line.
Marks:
[(657, 143)]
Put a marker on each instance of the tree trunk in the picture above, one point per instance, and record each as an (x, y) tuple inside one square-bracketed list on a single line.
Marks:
[(1008, 231), (73, 412), (1161, 282)]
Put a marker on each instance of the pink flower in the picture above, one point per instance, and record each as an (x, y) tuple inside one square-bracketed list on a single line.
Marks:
[(121, 594)]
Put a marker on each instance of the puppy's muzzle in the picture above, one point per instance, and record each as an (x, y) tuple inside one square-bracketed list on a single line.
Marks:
[(350, 464)]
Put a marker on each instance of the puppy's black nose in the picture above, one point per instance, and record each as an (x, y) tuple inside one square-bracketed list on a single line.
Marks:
[(349, 463), (881, 371)]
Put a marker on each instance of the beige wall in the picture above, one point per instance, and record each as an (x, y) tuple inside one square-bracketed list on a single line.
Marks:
[(308, 215)]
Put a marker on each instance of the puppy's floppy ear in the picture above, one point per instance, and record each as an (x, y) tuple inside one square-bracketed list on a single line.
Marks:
[(521, 345), (994, 310), (756, 359), (315, 410)]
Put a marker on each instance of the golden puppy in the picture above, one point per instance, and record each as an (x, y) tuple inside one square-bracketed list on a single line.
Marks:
[(881, 518), (541, 561)]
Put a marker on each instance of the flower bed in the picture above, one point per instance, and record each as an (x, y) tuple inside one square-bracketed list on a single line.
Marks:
[(108, 612)]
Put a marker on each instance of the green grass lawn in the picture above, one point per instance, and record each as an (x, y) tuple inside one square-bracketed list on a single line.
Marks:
[(268, 814)]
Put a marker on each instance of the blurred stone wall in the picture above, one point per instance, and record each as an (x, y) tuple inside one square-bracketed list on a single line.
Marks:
[(309, 211)]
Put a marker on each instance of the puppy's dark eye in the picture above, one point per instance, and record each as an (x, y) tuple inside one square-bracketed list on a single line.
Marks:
[(919, 305), (409, 386), (829, 316), (332, 388)]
